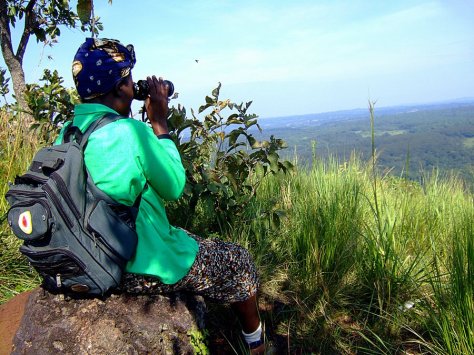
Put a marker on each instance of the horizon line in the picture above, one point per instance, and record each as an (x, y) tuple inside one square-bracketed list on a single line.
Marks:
[(459, 100)]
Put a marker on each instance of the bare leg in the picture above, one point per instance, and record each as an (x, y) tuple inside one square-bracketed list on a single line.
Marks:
[(247, 312)]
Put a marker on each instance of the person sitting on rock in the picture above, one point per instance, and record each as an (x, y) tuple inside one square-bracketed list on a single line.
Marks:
[(126, 159)]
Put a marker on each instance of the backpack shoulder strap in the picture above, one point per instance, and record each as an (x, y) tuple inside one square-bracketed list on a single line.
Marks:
[(106, 119), (101, 122), (71, 132)]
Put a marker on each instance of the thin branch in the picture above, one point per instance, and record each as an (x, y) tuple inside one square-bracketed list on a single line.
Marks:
[(93, 35), (30, 18)]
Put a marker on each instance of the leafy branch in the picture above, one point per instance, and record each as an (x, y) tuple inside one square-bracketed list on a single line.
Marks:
[(224, 162)]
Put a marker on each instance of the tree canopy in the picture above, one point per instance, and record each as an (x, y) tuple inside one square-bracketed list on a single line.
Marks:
[(43, 20)]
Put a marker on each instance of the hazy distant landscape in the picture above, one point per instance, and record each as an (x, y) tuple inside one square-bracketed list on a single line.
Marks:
[(420, 137)]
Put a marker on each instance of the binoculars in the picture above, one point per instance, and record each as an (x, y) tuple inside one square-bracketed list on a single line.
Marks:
[(141, 89)]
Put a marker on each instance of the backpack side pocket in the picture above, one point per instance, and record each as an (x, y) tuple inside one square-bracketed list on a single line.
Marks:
[(113, 232), (30, 220), (61, 269)]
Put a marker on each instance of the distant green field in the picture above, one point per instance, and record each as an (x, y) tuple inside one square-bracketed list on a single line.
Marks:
[(468, 142), (368, 134), (407, 143)]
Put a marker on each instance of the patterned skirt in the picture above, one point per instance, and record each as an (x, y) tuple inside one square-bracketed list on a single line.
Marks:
[(222, 272)]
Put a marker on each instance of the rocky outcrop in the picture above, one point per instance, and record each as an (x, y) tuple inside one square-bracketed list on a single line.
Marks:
[(11, 313), (121, 324)]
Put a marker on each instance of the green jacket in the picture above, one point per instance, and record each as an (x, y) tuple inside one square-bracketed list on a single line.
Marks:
[(125, 158)]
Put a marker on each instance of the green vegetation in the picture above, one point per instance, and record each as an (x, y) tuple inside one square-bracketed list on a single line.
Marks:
[(198, 339), (17, 147), (379, 266), (367, 134), (43, 21), (224, 164), (468, 142), (351, 260)]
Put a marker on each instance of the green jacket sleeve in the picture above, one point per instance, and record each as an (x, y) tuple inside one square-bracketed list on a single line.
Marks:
[(161, 164)]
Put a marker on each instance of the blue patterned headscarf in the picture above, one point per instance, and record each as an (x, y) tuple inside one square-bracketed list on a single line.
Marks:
[(99, 64)]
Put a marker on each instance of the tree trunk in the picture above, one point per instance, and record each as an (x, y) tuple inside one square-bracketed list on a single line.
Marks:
[(14, 62), (18, 80)]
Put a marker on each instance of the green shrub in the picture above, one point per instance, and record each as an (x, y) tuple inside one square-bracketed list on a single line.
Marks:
[(224, 164)]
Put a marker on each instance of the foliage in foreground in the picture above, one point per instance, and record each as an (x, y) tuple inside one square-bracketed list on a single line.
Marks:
[(224, 164), (17, 147)]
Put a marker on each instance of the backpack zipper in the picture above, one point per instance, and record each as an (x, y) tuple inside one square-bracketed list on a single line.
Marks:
[(63, 190), (31, 203), (104, 244), (24, 193), (97, 236), (34, 178), (33, 254), (58, 205), (59, 283), (57, 277), (101, 246)]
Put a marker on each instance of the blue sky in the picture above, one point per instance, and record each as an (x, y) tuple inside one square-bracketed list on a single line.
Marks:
[(289, 57)]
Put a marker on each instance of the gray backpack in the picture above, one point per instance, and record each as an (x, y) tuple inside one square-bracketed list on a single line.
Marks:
[(76, 237)]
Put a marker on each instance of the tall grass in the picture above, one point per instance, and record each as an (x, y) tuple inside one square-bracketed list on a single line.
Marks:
[(17, 147), (450, 309), (382, 272)]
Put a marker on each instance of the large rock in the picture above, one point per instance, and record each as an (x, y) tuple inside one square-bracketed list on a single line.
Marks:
[(11, 313), (122, 324)]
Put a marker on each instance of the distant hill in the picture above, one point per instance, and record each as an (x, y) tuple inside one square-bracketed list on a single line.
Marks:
[(358, 113), (412, 136)]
